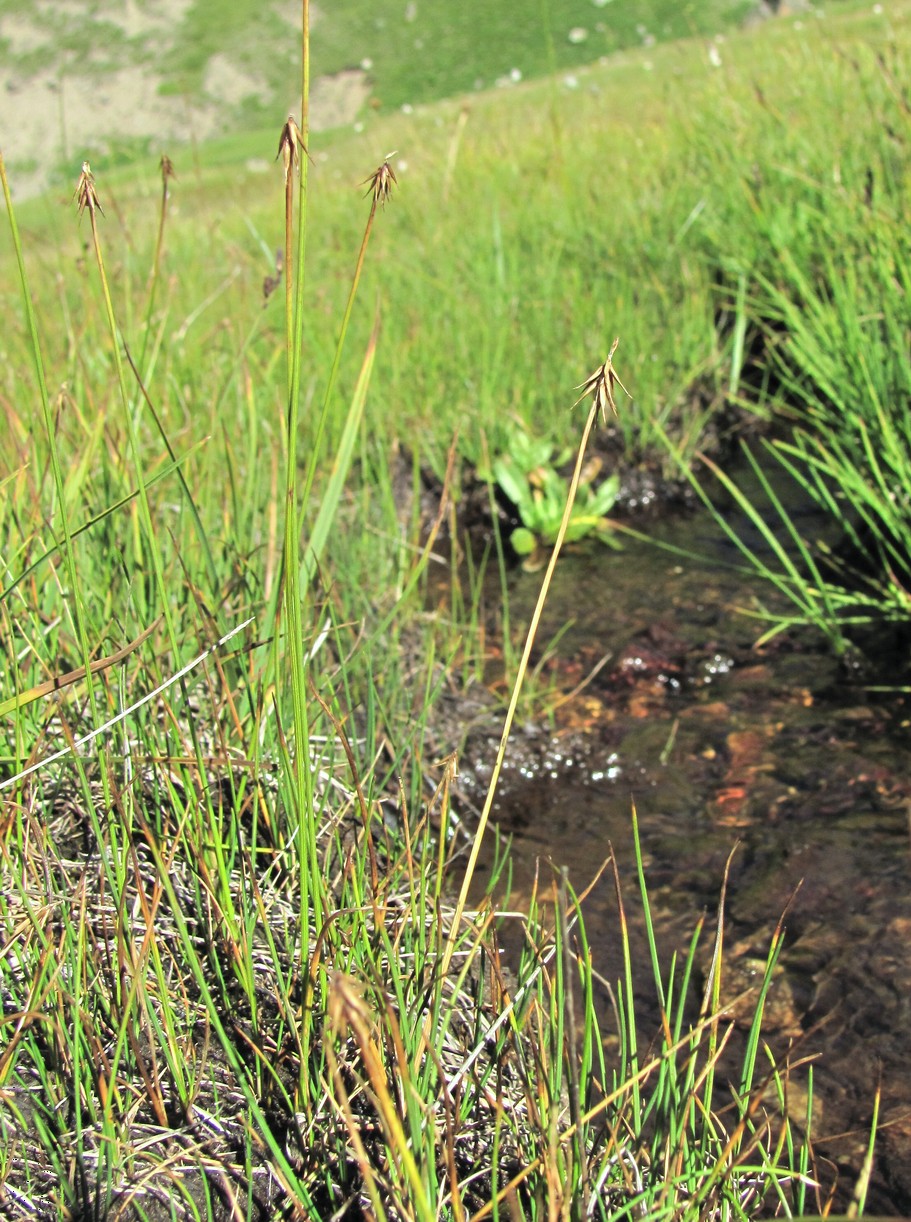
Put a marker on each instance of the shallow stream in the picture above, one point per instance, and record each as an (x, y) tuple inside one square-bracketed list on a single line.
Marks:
[(775, 749)]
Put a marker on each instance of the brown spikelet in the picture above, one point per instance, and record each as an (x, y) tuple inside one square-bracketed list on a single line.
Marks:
[(381, 182), (600, 385), (85, 194), (289, 143)]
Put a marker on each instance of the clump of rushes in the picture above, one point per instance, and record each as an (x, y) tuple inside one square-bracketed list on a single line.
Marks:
[(118, 837), (292, 615), (204, 1026)]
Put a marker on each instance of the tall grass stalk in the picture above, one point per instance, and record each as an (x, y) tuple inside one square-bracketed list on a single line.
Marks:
[(87, 201), (167, 173), (600, 385), (288, 593), (76, 606), (83, 1058), (299, 572), (150, 543)]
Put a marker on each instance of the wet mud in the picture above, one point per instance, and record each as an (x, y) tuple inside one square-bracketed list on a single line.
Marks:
[(659, 697)]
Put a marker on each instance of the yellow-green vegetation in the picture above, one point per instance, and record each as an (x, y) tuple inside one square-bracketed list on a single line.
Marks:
[(231, 978)]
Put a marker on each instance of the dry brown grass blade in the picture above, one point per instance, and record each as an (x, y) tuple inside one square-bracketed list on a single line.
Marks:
[(23, 1019), (364, 1161), (573, 1053), (348, 1010), (73, 676)]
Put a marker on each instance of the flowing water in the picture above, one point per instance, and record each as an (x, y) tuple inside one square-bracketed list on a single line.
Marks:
[(718, 743)]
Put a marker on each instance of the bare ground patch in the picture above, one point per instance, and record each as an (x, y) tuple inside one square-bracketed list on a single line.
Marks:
[(57, 104)]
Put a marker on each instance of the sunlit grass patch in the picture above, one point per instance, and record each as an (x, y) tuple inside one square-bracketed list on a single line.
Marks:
[(817, 287), (232, 968)]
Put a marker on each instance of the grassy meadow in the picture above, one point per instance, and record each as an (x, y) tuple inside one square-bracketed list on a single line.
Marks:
[(238, 973)]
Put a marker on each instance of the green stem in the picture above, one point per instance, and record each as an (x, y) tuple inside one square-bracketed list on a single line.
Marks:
[(339, 347), (77, 609)]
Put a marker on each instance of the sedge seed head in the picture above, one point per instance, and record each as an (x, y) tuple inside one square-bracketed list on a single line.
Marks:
[(290, 141), (600, 385), (381, 182), (85, 194)]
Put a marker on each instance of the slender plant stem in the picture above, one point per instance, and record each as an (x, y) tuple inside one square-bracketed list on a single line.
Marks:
[(167, 171), (337, 358), (76, 606), (303, 821), (449, 948)]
